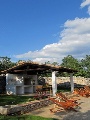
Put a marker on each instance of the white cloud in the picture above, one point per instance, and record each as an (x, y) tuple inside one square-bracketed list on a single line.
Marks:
[(75, 40), (86, 3)]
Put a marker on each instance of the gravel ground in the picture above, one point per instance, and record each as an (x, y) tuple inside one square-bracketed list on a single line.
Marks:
[(82, 114)]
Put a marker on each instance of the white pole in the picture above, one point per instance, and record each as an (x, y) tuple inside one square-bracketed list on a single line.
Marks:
[(54, 83), (7, 83), (71, 81)]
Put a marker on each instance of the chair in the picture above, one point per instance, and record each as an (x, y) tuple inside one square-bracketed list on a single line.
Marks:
[(38, 88), (81, 92), (87, 88), (64, 98), (41, 95), (65, 105)]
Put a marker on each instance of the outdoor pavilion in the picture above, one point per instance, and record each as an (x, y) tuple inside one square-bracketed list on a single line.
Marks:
[(33, 68)]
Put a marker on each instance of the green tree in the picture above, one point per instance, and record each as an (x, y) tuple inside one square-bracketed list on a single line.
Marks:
[(48, 62), (86, 65), (6, 63), (55, 63), (71, 62)]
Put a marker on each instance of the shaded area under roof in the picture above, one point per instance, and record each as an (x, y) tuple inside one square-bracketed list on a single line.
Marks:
[(34, 68)]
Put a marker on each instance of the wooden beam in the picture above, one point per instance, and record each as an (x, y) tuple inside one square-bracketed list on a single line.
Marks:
[(37, 69)]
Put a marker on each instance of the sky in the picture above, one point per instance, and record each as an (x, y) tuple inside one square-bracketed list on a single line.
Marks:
[(44, 30)]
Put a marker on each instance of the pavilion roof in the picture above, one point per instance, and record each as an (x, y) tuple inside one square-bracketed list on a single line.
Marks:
[(34, 67)]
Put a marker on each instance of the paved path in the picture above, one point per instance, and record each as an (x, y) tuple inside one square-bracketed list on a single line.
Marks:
[(82, 114)]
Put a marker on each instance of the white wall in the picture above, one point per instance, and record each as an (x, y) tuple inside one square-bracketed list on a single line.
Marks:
[(15, 83), (14, 79), (11, 81)]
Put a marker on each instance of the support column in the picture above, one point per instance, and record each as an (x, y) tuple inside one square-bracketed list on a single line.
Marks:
[(71, 81), (7, 83), (54, 83)]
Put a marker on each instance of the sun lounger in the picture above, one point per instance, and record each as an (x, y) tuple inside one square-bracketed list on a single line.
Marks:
[(64, 98), (41, 95), (82, 92), (65, 105), (87, 88)]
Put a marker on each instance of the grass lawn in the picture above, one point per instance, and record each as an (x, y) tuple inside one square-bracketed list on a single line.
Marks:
[(14, 99), (63, 90), (24, 117)]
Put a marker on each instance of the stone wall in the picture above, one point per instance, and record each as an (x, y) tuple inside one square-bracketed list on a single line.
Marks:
[(24, 108), (66, 80)]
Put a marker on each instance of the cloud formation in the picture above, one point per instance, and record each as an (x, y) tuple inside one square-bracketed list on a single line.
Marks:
[(74, 40), (86, 3)]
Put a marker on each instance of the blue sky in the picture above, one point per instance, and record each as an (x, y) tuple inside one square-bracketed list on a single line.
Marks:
[(44, 30)]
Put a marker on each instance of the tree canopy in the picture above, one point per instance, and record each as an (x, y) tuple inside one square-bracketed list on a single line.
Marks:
[(86, 65), (82, 66), (6, 63)]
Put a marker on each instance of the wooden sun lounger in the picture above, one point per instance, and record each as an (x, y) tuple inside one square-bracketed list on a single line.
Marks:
[(87, 88), (41, 94), (64, 98), (77, 91), (82, 92), (65, 105)]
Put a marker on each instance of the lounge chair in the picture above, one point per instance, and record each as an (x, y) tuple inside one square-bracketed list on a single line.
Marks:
[(65, 105), (41, 95), (82, 92), (87, 88), (64, 98)]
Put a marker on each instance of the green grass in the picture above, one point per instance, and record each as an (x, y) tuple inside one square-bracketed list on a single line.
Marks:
[(63, 90), (24, 117), (13, 99)]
